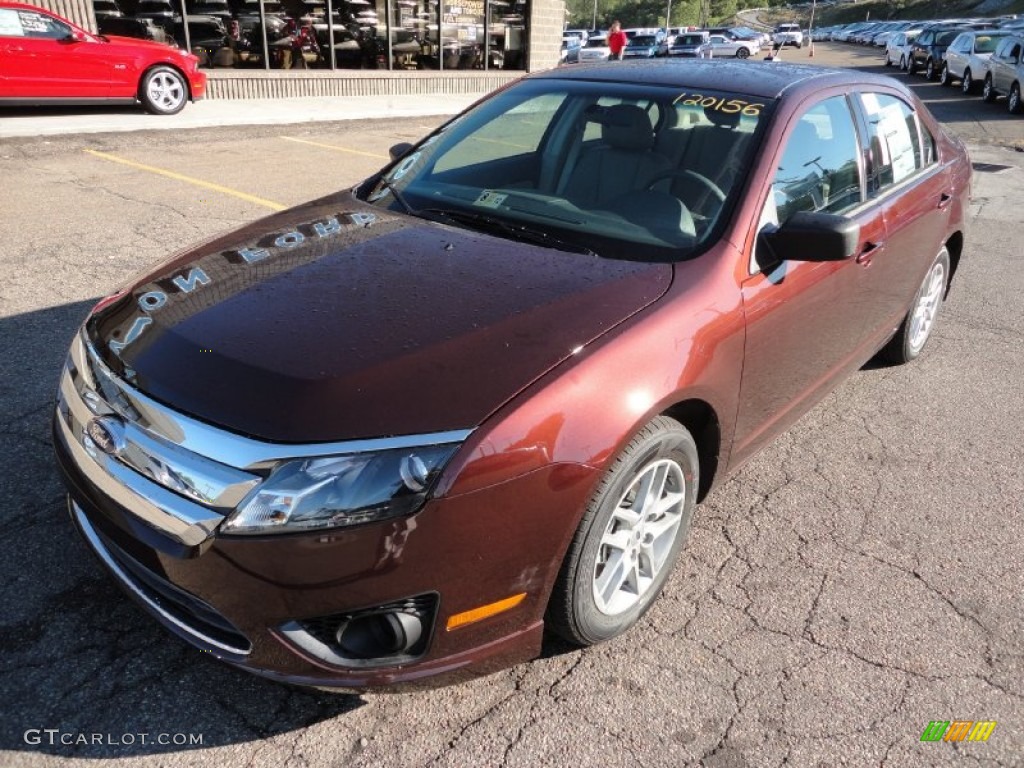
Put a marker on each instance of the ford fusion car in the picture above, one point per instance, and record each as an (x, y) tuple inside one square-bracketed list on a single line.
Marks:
[(45, 59), (390, 436)]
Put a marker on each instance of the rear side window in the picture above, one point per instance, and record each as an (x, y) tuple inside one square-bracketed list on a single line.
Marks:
[(896, 152)]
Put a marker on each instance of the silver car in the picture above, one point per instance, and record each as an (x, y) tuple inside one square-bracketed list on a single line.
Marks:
[(722, 46), (966, 57), (1005, 72), (897, 50)]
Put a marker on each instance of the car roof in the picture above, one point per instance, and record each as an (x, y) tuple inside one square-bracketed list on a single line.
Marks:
[(758, 78)]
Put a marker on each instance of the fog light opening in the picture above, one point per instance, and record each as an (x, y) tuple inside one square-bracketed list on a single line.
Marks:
[(375, 635)]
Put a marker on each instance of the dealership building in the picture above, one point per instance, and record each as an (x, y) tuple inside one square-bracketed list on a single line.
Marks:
[(289, 48)]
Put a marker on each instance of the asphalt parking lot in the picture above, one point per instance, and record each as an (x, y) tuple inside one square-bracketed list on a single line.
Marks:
[(859, 579)]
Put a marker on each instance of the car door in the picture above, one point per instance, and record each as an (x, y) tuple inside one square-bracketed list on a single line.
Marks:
[(43, 58), (959, 50), (721, 47), (805, 319), (914, 193)]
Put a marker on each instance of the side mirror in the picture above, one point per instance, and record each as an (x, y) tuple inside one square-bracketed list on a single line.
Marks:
[(402, 148), (74, 36), (809, 236)]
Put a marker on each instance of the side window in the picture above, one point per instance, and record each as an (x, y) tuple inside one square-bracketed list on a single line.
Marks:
[(35, 25), (929, 153), (895, 142), (819, 170)]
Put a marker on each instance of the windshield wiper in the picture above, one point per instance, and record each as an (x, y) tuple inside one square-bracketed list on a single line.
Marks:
[(512, 231), (390, 187)]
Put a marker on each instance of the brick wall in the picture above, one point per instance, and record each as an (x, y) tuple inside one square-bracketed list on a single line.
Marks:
[(547, 20)]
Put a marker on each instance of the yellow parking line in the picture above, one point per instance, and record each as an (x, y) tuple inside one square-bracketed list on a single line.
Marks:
[(335, 148), (189, 180)]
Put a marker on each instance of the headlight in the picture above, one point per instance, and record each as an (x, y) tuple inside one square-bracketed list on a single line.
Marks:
[(335, 491)]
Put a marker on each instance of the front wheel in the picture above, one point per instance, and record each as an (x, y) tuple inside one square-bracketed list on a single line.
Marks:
[(629, 537), (945, 78), (888, 61), (911, 66), (917, 326), (1013, 100), (988, 91), (967, 84), (903, 63), (742, 53), (929, 70), (163, 91)]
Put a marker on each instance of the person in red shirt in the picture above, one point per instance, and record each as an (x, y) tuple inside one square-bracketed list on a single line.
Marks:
[(617, 40)]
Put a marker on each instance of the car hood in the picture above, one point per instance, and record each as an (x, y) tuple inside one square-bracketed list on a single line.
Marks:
[(336, 321), (139, 43)]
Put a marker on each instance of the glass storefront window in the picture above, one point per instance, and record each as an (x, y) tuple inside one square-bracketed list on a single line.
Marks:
[(329, 34)]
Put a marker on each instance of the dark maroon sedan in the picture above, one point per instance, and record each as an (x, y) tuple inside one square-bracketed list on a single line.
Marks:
[(392, 434)]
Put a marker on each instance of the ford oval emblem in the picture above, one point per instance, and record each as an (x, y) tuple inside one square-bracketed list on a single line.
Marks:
[(107, 432)]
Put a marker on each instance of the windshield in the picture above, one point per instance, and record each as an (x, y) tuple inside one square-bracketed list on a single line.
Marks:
[(624, 170), (641, 40), (986, 43), (597, 42), (690, 40)]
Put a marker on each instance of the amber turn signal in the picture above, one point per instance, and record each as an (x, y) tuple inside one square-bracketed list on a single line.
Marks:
[(469, 617)]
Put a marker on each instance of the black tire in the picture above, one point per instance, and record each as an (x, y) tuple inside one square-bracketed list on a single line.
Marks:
[(1013, 100), (573, 612), (988, 91), (908, 341), (163, 90), (967, 85), (929, 70), (903, 63), (742, 53), (911, 65), (944, 77)]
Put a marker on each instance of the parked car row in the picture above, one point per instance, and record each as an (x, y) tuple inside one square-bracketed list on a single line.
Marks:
[(720, 42), (979, 55)]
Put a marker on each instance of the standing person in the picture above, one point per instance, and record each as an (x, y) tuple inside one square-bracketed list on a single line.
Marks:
[(616, 41)]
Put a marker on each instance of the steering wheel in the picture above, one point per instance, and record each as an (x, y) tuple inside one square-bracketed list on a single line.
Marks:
[(713, 189)]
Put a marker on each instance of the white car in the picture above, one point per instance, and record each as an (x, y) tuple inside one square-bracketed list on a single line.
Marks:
[(722, 46), (595, 49), (788, 34), (897, 50)]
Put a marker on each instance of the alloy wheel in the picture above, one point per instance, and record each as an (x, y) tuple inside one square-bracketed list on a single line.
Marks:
[(639, 537), (166, 91), (927, 308)]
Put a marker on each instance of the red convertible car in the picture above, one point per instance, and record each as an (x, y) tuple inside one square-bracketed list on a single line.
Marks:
[(389, 436), (45, 59)]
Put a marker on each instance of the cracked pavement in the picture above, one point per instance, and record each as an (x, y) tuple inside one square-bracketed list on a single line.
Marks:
[(859, 578)]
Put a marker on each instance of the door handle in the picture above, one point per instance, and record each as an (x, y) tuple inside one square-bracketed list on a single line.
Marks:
[(944, 200), (868, 250)]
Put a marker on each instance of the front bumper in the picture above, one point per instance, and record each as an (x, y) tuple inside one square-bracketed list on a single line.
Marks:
[(238, 598)]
